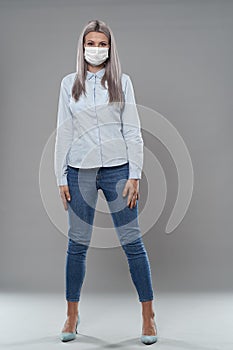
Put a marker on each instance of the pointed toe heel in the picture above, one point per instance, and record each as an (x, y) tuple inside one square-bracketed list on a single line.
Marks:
[(67, 336), (149, 339)]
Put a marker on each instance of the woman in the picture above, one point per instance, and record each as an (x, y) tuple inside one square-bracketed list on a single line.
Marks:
[(99, 146)]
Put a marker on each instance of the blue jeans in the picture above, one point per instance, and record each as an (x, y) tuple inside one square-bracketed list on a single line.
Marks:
[(83, 187)]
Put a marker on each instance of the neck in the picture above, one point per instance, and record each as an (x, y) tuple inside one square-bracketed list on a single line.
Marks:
[(94, 69)]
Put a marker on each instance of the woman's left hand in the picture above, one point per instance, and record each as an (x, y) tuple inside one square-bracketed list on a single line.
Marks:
[(131, 186)]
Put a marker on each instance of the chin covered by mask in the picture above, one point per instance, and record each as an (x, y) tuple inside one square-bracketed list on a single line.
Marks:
[(96, 55)]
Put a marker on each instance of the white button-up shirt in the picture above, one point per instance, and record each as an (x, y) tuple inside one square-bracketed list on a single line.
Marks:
[(90, 133)]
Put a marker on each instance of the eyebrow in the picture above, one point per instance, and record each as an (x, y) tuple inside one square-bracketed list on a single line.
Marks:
[(103, 41)]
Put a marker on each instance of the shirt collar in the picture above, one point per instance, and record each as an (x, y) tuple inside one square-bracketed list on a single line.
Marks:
[(98, 74)]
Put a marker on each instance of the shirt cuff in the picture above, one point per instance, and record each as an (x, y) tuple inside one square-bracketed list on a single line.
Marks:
[(135, 174), (62, 181)]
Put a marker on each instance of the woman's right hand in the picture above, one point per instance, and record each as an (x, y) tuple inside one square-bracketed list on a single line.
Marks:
[(65, 195)]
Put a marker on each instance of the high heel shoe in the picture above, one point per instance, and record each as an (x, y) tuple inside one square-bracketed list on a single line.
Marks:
[(67, 336), (149, 339)]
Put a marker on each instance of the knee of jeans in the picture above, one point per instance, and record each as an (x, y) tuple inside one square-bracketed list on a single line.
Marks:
[(77, 248), (135, 249)]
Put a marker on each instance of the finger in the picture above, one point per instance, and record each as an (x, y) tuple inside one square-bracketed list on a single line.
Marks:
[(67, 195), (134, 201), (64, 200), (125, 191), (65, 204), (130, 197)]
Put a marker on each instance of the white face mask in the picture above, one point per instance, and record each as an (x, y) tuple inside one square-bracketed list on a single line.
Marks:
[(96, 55)]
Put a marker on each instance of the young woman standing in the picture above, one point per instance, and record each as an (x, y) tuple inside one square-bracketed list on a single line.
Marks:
[(99, 146)]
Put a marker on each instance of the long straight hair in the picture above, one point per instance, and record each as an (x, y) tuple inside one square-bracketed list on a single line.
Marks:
[(112, 66)]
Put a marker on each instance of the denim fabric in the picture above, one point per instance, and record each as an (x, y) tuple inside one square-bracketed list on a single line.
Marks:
[(95, 133), (83, 186)]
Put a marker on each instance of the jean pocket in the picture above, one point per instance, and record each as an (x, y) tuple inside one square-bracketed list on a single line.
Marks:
[(71, 170), (121, 171), (122, 166)]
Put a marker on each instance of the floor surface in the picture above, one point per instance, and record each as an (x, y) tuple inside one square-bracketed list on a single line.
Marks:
[(184, 321)]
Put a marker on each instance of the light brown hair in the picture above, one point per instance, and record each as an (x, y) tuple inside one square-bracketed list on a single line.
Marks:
[(112, 65)]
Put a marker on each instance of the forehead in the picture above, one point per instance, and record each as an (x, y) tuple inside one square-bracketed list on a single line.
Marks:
[(96, 36)]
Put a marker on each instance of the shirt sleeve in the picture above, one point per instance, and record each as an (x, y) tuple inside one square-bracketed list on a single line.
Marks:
[(64, 136), (131, 130)]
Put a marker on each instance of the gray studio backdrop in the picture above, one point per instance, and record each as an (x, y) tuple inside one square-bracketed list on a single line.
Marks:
[(179, 56)]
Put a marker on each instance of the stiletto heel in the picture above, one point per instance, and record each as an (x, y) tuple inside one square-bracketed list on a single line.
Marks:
[(77, 324), (67, 336), (149, 339)]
